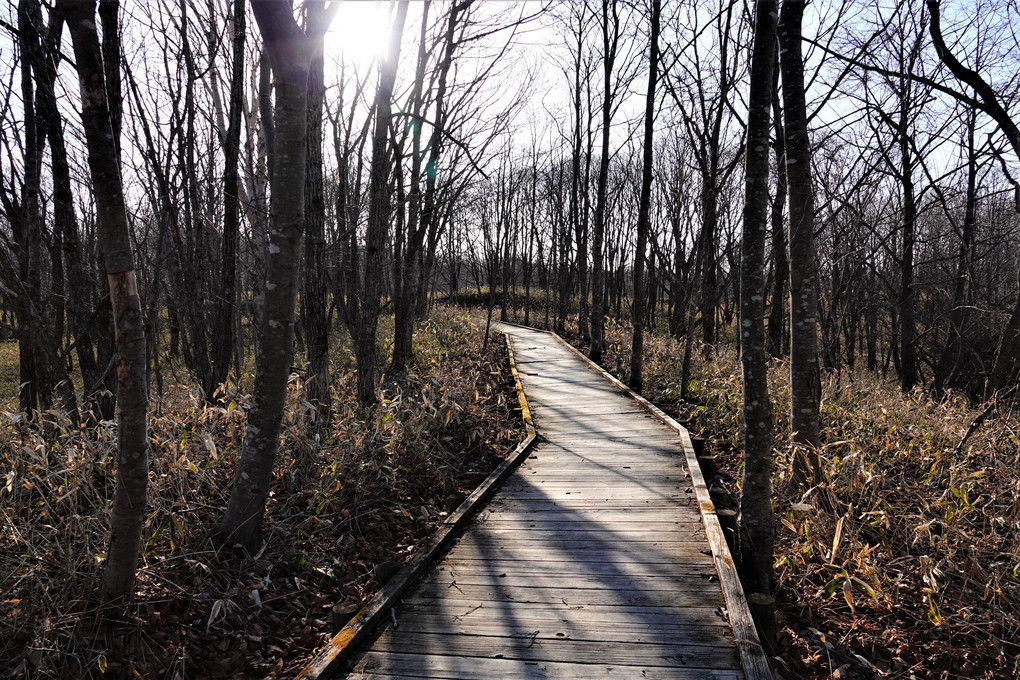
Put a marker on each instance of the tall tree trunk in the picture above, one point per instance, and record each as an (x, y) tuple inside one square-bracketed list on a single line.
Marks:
[(226, 305), (952, 351), (707, 251), (43, 374), (756, 535), (128, 514), (906, 302), (644, 209), (290, 51), (610, 39), (313, 293), (805, 381), (378, 217), (778, 340)]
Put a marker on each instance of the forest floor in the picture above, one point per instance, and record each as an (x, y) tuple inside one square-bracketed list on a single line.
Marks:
[(914, 572), (351, 500)]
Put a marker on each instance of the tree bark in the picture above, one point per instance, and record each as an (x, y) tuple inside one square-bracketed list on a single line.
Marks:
[(610, 40), (644, 209), (756, 534), (778, 340), (128, 515), (953, 350), (290, 50), (378, 217), (805, 381), (226, 304), (313, 293)]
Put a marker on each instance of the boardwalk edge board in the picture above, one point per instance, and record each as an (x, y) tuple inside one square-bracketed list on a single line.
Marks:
[(328, 662), (753, 658)]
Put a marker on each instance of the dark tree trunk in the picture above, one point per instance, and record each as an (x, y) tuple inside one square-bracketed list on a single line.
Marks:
[(953, 350), (378, 218), (778, 340), (290, 51), (644, 209), (610, 39), (906, 301), (128, 514), (313, 293), (805, 381), (42, 371), (226, 305), (756, 535)]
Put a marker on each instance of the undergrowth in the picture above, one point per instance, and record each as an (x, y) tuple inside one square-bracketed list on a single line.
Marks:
[(915, 573), (351, 498)]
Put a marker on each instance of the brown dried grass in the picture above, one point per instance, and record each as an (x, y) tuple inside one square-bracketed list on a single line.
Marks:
[(916, 571), (364, 489)]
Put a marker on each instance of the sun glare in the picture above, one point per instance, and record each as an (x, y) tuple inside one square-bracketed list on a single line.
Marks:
[(358, 32)]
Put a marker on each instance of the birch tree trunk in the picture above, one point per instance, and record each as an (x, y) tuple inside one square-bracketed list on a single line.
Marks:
[(313, 292)]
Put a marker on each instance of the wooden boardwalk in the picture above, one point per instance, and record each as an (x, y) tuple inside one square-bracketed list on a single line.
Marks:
[(591, 561)]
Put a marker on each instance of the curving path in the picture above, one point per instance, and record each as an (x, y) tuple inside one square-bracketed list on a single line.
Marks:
[(591, 561)]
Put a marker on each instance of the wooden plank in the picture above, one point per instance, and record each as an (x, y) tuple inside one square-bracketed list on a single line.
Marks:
[(621, 557), (550, 627), (632, 531), (455, 591), (595, 495), (699, 566), (592, 517), (569, 543), (559, 650), (404, 665), (657, 505), (448, 577), (638, 534)]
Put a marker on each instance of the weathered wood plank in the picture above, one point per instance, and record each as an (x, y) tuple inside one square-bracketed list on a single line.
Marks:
[(621, 557), (637, 533), (447, 578), (559, 650), (403, 665), (569, 624), (692, 567), (456, 591)]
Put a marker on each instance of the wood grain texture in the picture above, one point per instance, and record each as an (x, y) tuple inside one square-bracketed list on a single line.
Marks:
[(593, 560)]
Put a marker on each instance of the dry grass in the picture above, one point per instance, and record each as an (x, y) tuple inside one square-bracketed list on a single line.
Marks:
[(916, 573), (348, 495), (9, 375)]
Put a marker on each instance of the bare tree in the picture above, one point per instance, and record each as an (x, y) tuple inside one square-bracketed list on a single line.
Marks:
[(290, 50), (756, 535), (805, 380), (644, 209), (128, 514), (1006, 355)]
